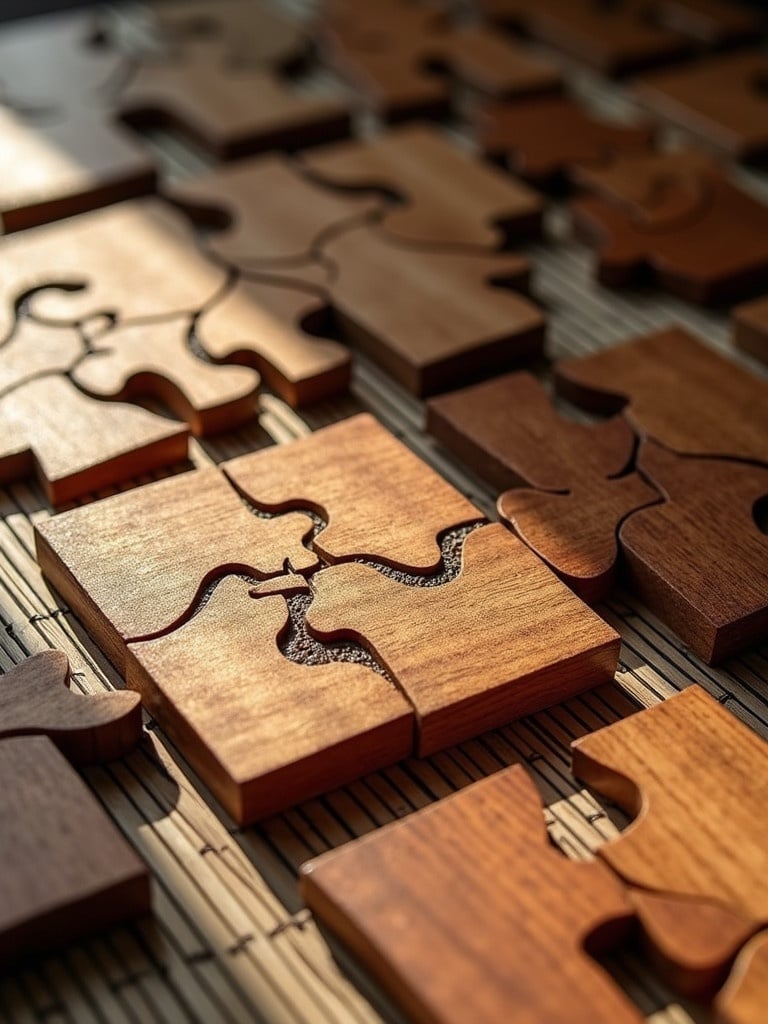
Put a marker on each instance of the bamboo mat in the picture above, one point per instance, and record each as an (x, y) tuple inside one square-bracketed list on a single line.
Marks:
[(230, 940)]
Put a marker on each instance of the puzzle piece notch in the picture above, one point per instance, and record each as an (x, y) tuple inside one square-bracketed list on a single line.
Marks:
[(446, 197), (405, 900), (650, 764), (749, 324), (36, 350), (35, 700)]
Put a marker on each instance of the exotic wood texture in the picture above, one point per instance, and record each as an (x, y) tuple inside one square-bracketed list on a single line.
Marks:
[(501, 639), (686, 768), (507, 431), (721, 100), (264, 731), (406, 901), (405, 59), (750, 328), (450, 323), (699, 560), (541, 139), (745, 995), (67, 871), (675, 390), (229, 109), (135, 564), (694, 234), (444, 196), (377, 499), (266, 210), (35, 700)]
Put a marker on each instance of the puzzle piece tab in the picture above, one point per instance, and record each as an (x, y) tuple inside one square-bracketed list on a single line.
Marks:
[(745, 995), (696, 778), (406, 900), (750, 328)]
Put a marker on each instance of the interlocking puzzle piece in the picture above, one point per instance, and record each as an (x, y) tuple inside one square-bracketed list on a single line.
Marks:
[(750, 328), (229, 109), (709, 577), (405, 58), (677, 391), (510, 434), (35, 699), (502, 639), (36, 350), (405, 899), (696, 235), (450, 323), (135, 564), (265, 731), (745, 995), (640, 181), (695, 776), (721, 100), (541, 139), (446, 197), (272, 213), (55, 170), (379, 501)]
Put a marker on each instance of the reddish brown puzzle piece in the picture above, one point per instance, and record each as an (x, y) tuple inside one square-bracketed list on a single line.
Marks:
[(745, 995), (750, 328)]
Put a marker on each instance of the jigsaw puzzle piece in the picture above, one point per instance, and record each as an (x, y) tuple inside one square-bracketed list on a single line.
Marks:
[(675, 390), (406, 900), (542, 139), (405, 58), (134, 361), (135, 565), (500, 640), (745, 995), (229, 109), (133, 260), (709, 577), (35, 699), (72, 165), (272, 325), (445, 196), (266, 732), (36, 349), (77, 444), (456, 317), (721, 100), (750, 328), (271, 211), (378, 500), (695, 777)]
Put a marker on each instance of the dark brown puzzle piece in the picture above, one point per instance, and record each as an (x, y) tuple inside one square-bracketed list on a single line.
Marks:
[(750, 328)]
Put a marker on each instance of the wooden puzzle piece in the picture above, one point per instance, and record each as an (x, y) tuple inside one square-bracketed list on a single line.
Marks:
[(378, 500), (406, 900), (541, 139), (404, 59), (745, 995), (502, 639), (510, 434), (77, 444), (228, 109), (35, 700), (750, 328), (135, 564), (695, 777), (266, 732), (641, 182), (676, 391), (67, 871), (449, 325), (272, 325), (134, 260), (84, 161), (134, 361), (722, 100), (709, 577), (272, 213), (35, 350), (445, 197)]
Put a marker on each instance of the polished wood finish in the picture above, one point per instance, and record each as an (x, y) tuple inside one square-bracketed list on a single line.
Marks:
[(745, 996), (35, 700), (749, 323), (406, 900), (695, 778), (444, 196), (500, 640)]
